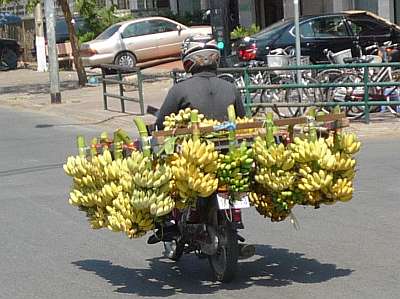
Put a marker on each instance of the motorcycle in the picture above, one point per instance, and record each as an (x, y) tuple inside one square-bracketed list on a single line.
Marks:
[(210, 230)]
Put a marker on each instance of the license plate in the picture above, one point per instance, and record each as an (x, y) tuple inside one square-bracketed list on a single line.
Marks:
[(225, 204)]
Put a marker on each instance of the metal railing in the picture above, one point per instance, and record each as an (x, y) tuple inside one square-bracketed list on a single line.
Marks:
[(366, 84), (119, 70)]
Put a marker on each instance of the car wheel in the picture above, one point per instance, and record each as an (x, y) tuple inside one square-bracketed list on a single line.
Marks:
[(126, 59), (10, 58)]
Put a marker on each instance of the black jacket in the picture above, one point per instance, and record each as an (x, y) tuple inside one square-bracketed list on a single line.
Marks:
[(205, 92)]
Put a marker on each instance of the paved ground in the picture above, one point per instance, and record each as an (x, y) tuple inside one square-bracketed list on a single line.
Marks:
[(28, 90), (47, 249)]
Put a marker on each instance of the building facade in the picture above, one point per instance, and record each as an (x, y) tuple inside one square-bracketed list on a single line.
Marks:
[(265, 12), (260, 12)]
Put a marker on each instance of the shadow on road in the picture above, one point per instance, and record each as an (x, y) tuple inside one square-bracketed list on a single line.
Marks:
[(26, 170), (124, 114), (38, 88), (271, 267)]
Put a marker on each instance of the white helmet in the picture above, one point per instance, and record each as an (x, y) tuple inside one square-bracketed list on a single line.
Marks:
[(199, 51)]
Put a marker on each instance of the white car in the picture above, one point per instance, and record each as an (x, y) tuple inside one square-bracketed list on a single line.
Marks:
[(129, 42)]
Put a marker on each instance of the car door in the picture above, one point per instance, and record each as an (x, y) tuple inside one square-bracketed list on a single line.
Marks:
[(138, 38), (169, 38), (368, 30), (326, 32)]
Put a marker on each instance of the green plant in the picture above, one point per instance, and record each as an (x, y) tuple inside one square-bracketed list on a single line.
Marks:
[(97, 19), (241, 31)]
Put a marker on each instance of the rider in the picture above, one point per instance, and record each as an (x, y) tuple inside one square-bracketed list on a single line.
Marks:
[(203, 91)]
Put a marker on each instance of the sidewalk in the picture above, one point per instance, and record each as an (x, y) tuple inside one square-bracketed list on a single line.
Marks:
[(28, 89)]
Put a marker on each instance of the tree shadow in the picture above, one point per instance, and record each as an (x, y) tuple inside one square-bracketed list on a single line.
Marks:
[(271, 267), (38, 88)]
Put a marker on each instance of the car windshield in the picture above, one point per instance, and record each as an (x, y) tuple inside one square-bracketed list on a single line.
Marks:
[(272, 29), (106, 34)]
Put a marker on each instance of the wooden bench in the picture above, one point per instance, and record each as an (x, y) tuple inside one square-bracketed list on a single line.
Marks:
[(64, 51)]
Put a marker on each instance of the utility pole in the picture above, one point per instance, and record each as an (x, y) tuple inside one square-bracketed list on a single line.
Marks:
[(52, 52), (220, 27), (39, 39)]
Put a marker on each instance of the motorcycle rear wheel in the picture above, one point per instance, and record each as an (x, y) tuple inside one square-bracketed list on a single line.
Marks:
[(224, 261)]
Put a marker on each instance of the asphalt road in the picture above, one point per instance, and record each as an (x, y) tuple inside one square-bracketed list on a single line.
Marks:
[(47, 249)]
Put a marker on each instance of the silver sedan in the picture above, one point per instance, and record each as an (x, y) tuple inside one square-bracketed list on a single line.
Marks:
[(129, 42)]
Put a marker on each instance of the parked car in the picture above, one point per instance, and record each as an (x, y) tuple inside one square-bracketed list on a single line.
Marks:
[(61, 30), (10, 52), (138, 40), (336, 32), (62, 34)]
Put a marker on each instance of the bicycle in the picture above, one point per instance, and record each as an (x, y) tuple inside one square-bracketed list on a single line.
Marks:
[(356, 94)]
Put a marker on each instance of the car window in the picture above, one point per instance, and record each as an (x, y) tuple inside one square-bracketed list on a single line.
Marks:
[(158, 26), (106, 34), (272, 29), (365, 27), (306, 29), (327, 27), (137, 29)]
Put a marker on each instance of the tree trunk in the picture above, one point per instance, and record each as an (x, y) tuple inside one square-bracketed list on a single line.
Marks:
[(74, 42)]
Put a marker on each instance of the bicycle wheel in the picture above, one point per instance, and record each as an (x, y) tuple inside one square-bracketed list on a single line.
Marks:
[(327, 76), (348, 94), (297, 95), (394, 92)]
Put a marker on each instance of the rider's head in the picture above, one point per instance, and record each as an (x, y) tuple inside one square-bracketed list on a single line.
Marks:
[(200, 53)]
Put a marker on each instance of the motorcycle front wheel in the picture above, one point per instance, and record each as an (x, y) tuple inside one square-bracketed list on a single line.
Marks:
[(224, 261)]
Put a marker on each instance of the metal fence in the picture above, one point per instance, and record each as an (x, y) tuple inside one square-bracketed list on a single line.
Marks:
[(113, 74), (363, 69)]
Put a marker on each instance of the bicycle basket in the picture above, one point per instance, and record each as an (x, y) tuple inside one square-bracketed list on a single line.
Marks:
[(304, 60), (278, 60), (339, 57)]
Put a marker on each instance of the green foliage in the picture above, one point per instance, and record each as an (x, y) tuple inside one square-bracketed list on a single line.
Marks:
[(240, 31), (97, 18), (30, 6)]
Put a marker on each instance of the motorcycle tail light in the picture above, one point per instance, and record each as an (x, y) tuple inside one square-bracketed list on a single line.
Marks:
[(248, 54), (236, 215)]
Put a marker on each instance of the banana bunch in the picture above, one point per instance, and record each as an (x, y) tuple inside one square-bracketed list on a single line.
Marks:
[(328, 161), (234, 168), (151, 185), (158, 203), (122, 217), (276, 209), (97, 217), (305, 151), (275, 180), (342, 189), (348, 143), (194, 170), (314, 181), (274, 155), (124, 195), (182, 120), (76, 166), (344, 162), (245, 120)]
